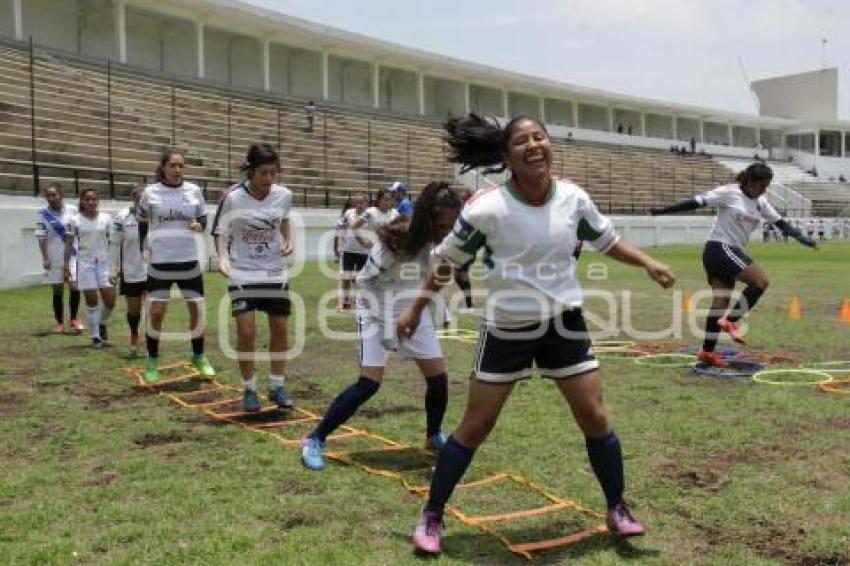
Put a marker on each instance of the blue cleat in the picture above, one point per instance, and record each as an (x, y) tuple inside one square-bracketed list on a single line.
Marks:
[(281, 398), (251, 401), (311, 453)]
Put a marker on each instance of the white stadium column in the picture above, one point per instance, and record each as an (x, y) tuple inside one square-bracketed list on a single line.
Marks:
[(376, 85), (730, 134), (575, 114), (643, 124), (675, 132), (325, 86), (541, 108), (267, 71), (18, 17), (420, 80), (199, 32), (610, 118), (467, 103), (121, 30), (505, 105), (701, 130)]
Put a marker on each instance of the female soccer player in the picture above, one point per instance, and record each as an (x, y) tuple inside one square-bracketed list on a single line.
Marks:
[(89, 232), (51, 228), (129, 264), (528, 229), (254, 236), (741, 208), (172, 216), (354, 253), (382, 213), (396, 265)]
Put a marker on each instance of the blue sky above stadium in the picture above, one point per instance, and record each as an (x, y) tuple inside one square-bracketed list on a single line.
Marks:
[(683, 51)]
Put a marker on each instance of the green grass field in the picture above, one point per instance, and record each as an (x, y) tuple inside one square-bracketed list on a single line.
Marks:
[(721, 471)]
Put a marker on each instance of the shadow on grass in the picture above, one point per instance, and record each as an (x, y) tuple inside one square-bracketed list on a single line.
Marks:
[(481, 548)]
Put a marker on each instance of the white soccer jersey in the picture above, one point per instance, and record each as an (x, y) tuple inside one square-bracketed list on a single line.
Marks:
[(92, 236), (530, 270), (350, 243), (388, 285), (52, 226), (252, 230), (169, 211), (737, 214), (126, 253)]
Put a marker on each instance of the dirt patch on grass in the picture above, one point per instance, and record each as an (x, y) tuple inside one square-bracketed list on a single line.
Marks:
[(308, 391), (298, 519), (157, 439), (378, 412), (104, 478), (99, 398), (707, 479), (296, 487), (12, 403)]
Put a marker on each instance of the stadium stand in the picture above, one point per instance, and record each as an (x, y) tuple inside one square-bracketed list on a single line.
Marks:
[(104, 126)]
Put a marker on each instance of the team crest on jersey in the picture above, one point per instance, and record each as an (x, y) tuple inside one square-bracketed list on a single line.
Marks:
[(463, 229)]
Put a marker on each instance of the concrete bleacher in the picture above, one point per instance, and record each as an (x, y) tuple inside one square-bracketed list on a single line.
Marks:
[(348, 149)]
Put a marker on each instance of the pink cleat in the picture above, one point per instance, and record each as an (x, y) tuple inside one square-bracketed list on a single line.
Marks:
[(732, 329), (621, 521), (426, 537)]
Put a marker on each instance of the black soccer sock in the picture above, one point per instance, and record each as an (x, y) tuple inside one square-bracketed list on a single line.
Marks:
[(436, 399), (152, 345), (606, 459), (198, 346), (712, 331), (466, 287), (452, 463), (133, 321), (74, 301), (344, 405), (58, 307), (749, 297)]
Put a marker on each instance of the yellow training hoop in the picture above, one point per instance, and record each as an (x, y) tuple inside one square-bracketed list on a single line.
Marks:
[(762, 376)]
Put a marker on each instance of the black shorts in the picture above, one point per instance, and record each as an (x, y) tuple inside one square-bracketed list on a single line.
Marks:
[(559, 347), (724, 261), (352, 262), (186, 275), (134, 289), (270, 298)]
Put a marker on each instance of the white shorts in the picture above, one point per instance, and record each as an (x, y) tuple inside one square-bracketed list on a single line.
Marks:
[(56, 274), (92, 275), (376, 342)]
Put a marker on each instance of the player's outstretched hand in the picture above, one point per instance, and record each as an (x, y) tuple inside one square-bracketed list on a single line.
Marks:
[(661, 274)]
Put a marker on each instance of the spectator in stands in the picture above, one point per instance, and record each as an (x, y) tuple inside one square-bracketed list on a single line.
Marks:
[(397, 263), (129, 264), (354, 253), (619, 128), (693, 145), (374, 216), (569, 136), (821, 229), (741, 207), (629, 130), (402, 200), (173, 217), (88, 237), (842, 179), (51, 228), (310, 114), (255, 235), (533, 220)]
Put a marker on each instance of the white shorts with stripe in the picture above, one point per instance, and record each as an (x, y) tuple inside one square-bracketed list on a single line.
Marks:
[(56, 274), (377, 341)]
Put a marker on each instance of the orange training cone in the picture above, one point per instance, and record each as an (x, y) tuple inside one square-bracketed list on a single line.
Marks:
[(845, 312), (794, 310), (687, 301)]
